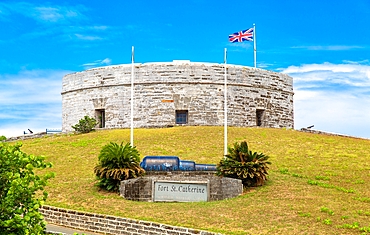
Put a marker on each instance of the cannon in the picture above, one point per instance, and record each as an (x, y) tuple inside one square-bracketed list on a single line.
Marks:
[(160, 163), (173, 163), (186, 165)]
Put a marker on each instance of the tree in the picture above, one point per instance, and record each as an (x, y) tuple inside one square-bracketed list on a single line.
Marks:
[(117, 163), (19, 191), (2, 138), (85, 125), (241, 163)]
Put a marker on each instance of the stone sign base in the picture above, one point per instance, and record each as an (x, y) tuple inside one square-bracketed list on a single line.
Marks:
[(180, 186)]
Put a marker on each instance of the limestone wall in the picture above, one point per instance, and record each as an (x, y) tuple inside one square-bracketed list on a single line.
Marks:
[(107, 224), (141, 189), (162, 88)]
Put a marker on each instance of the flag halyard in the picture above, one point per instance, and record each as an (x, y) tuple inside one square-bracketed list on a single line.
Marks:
[(244, 35)]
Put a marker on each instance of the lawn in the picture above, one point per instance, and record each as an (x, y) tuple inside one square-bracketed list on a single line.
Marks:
[(318, 184)]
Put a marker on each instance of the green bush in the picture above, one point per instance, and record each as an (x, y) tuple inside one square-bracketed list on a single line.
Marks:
[(241, 163), (20, 199), (2, 138), (85, 125), (117, 163)]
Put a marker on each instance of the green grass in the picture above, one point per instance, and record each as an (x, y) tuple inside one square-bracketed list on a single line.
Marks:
[(317, 184)]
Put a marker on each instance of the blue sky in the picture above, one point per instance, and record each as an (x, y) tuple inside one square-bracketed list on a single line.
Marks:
[(323, 45)]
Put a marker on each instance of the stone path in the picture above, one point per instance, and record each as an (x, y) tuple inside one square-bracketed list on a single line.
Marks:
[(57, 229)]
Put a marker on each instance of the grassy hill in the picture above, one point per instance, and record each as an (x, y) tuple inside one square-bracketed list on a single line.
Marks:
[(317, 184)]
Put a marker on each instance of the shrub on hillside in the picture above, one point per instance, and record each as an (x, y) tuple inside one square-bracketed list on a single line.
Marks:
[(85, 125), (19, 191), (241, 163), (117, 163)]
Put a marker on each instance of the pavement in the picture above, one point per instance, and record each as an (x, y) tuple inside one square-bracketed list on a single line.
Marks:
[(57, 229)]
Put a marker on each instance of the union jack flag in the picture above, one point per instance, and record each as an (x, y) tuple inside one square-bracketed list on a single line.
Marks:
[(244, 35)]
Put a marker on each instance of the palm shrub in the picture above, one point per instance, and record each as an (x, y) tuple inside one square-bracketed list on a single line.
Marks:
[(241, 163), (117, 163)]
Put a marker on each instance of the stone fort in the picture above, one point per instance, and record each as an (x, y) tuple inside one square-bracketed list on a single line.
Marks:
[(178, 93)]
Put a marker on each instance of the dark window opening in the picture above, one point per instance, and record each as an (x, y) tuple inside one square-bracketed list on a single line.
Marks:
[(260, 116), (181, 116), (100, 117)]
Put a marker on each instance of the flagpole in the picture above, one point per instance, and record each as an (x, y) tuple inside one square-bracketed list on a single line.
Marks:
[(254, 45), (225, 105), (132, 98)]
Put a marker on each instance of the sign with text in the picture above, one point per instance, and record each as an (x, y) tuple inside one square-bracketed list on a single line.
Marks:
[(180, 191)]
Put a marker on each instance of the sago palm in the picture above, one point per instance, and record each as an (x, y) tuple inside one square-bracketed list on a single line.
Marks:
[(241, 163), (117, 163)]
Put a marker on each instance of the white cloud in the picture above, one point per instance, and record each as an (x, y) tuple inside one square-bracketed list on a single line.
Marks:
[(88, 37), (46, 13), (264, 65), (356, 62), (356, 75), (37, 117), (4, 12), (237, 46), (97, 63), (99, 27), (333, 97), (61, 22), (350, 67), (333, 112), (30, 99), (328, 48), (49, 14), (28, 87)]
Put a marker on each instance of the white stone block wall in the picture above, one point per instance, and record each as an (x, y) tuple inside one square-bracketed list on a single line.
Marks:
[(107, 224), (163, 88)]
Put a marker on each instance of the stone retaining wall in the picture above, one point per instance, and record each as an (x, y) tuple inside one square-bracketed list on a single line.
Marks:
[(107, 224), (141, 188)]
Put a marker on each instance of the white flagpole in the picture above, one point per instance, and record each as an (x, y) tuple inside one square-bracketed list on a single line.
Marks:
[(225, 105), (132, 98), (254, 46)]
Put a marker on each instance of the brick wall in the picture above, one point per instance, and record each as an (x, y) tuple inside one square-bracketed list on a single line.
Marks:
[(107, 224)]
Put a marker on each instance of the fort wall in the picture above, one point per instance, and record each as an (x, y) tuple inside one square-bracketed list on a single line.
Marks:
[(178, 93)]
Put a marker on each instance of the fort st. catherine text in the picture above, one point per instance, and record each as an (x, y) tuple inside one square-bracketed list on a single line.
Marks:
[(181, 189)]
